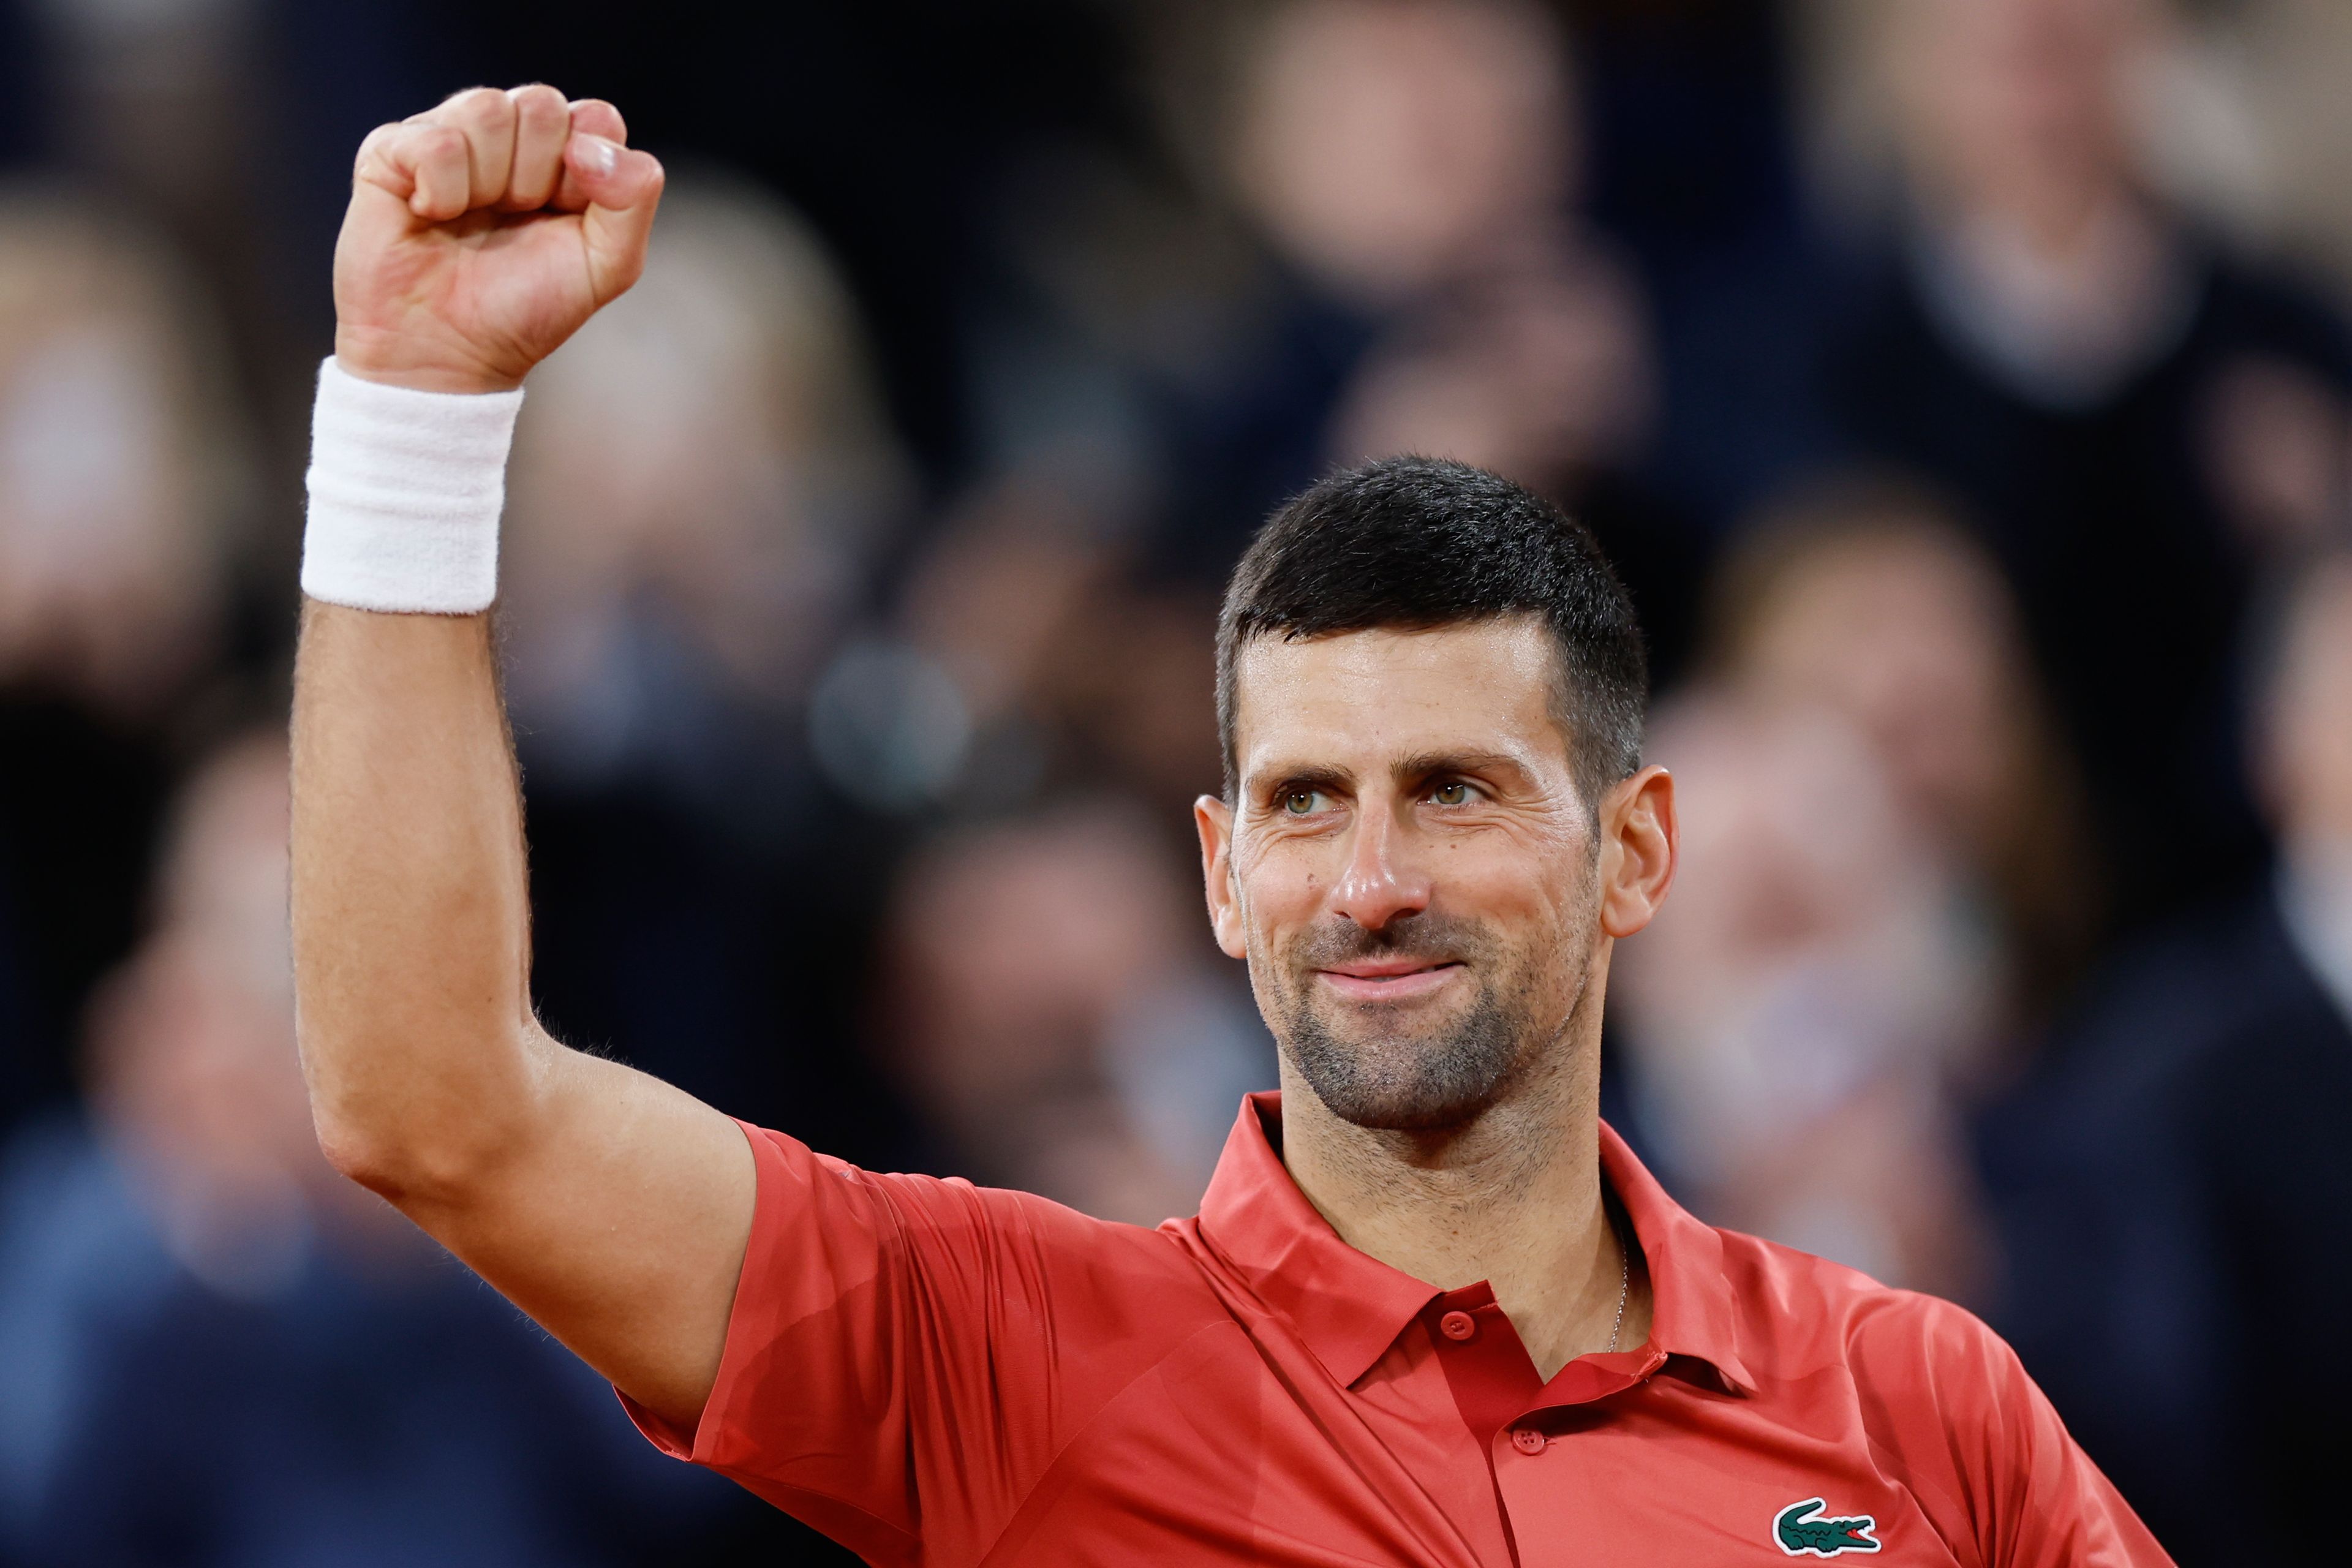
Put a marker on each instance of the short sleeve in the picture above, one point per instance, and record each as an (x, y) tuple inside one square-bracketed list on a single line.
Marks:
[(1982, 1448), (906, 1354)]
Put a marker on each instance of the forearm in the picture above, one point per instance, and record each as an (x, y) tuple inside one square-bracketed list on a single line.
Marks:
[(410, 909), (607, 1205)]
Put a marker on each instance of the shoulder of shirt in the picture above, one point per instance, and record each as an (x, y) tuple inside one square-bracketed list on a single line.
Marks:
[(943, 1204), (1797, 1309)]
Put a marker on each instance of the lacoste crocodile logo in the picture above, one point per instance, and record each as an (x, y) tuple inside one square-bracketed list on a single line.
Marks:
[(1800, 1529)]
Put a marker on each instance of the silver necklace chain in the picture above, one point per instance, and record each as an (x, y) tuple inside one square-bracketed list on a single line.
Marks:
[(1624, 1279)]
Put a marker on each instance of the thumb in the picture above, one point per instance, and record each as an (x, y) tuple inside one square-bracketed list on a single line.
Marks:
[(621, 186)]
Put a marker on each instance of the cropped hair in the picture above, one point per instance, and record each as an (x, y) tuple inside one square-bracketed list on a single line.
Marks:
[(1416, 543)]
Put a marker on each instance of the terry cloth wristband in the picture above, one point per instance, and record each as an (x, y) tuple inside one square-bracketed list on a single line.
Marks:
[(406, 488)]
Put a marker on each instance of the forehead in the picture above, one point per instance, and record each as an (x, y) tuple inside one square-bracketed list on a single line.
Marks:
[(1361, 699)]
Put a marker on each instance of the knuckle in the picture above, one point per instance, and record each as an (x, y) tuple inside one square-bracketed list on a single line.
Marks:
[(543, 116), (598, 114), (371, 145), (483, 108)]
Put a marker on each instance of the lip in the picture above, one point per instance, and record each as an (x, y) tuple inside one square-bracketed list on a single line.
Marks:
[(1394, 980)]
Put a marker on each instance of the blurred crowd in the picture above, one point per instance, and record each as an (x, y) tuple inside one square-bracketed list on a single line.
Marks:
[(1962, 388)]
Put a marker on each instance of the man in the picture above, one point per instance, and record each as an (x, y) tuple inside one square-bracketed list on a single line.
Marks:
[(1432, 1312), (2114, 400), (2174, 1184), (182, 1261)]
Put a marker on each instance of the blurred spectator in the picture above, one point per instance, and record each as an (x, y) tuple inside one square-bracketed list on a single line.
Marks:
[(1054, 1001), (1407, 174), (1863, 595), (284, 1370), (1831, 989), (1421, 167), (120, 461), (2176, 1190), (1348, 161), (1538, 366), (1024, 661), (2131, 416), (155, 97), (169, 106), (1413, 166), (229, 124), (1386, 146), (122, 475), (698, 494), (700, 487), (1691, 109), (2251, 124), (1793, 1021)]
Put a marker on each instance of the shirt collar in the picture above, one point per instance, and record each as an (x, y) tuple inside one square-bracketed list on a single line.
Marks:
[(1350, 1306)]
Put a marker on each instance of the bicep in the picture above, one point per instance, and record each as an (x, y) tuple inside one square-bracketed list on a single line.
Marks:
[(617, 1220)]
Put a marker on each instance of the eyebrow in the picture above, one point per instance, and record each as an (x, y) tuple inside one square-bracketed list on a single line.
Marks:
[(1425, 764), (1303, 776), (1405, 770)]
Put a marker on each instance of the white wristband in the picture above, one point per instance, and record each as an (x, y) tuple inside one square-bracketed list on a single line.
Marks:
[(406, 488)]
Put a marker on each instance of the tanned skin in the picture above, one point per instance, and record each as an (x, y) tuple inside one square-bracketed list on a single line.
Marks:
[(609, 1206), (613, 1208), (1385, 776)]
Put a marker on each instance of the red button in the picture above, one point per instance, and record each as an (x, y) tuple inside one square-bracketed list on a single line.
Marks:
[(1528, 1440), (1457, 1326)]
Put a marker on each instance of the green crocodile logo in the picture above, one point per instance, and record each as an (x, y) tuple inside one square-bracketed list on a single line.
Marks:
[(1798, 1532)]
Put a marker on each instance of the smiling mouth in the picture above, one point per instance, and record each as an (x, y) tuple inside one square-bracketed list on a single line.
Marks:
[(1389, 982)]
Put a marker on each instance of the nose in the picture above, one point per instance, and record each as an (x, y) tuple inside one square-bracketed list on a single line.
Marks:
[(1382, 879)]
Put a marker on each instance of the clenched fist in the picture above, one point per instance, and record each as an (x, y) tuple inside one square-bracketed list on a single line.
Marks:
[(482, 235)]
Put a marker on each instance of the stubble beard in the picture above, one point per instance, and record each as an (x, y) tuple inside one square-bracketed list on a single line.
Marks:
[(1379, 1066)]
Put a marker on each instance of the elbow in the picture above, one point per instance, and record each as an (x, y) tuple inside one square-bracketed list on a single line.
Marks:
[(414, 1144), (359, 1156), (407, 1167)]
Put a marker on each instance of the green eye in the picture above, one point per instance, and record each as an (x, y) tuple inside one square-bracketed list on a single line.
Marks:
[(1301, 802), (1454, 794)]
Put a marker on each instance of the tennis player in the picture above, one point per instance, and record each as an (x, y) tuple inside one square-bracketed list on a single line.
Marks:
[(1431, 1311)]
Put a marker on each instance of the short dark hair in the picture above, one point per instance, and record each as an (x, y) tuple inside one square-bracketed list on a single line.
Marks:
[(1420, 543)]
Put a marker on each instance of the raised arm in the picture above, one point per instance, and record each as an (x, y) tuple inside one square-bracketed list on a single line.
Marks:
[(609, 1206)]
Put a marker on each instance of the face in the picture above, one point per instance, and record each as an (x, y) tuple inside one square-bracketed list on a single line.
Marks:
[(2004, 95), (1382, 142), (1909, 639), (1423, 898)]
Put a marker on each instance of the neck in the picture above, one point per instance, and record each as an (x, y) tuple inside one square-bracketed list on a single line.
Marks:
[(1512, 1197)]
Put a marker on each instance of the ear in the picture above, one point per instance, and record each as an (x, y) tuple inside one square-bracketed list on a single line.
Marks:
[(1215, 819), (1639, 841)]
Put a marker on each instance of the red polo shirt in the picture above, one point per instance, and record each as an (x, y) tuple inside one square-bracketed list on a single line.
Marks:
[(933, 1373)]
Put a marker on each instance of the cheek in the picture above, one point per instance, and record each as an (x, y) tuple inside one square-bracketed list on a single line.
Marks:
[(1522, 881), (1283, 901), (1282, 887)]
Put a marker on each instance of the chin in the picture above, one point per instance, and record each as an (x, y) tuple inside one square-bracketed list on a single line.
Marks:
[(1405, 1113), (1432, 1084)]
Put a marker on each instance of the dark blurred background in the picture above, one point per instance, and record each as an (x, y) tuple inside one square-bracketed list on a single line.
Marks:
[(1961, 385)]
